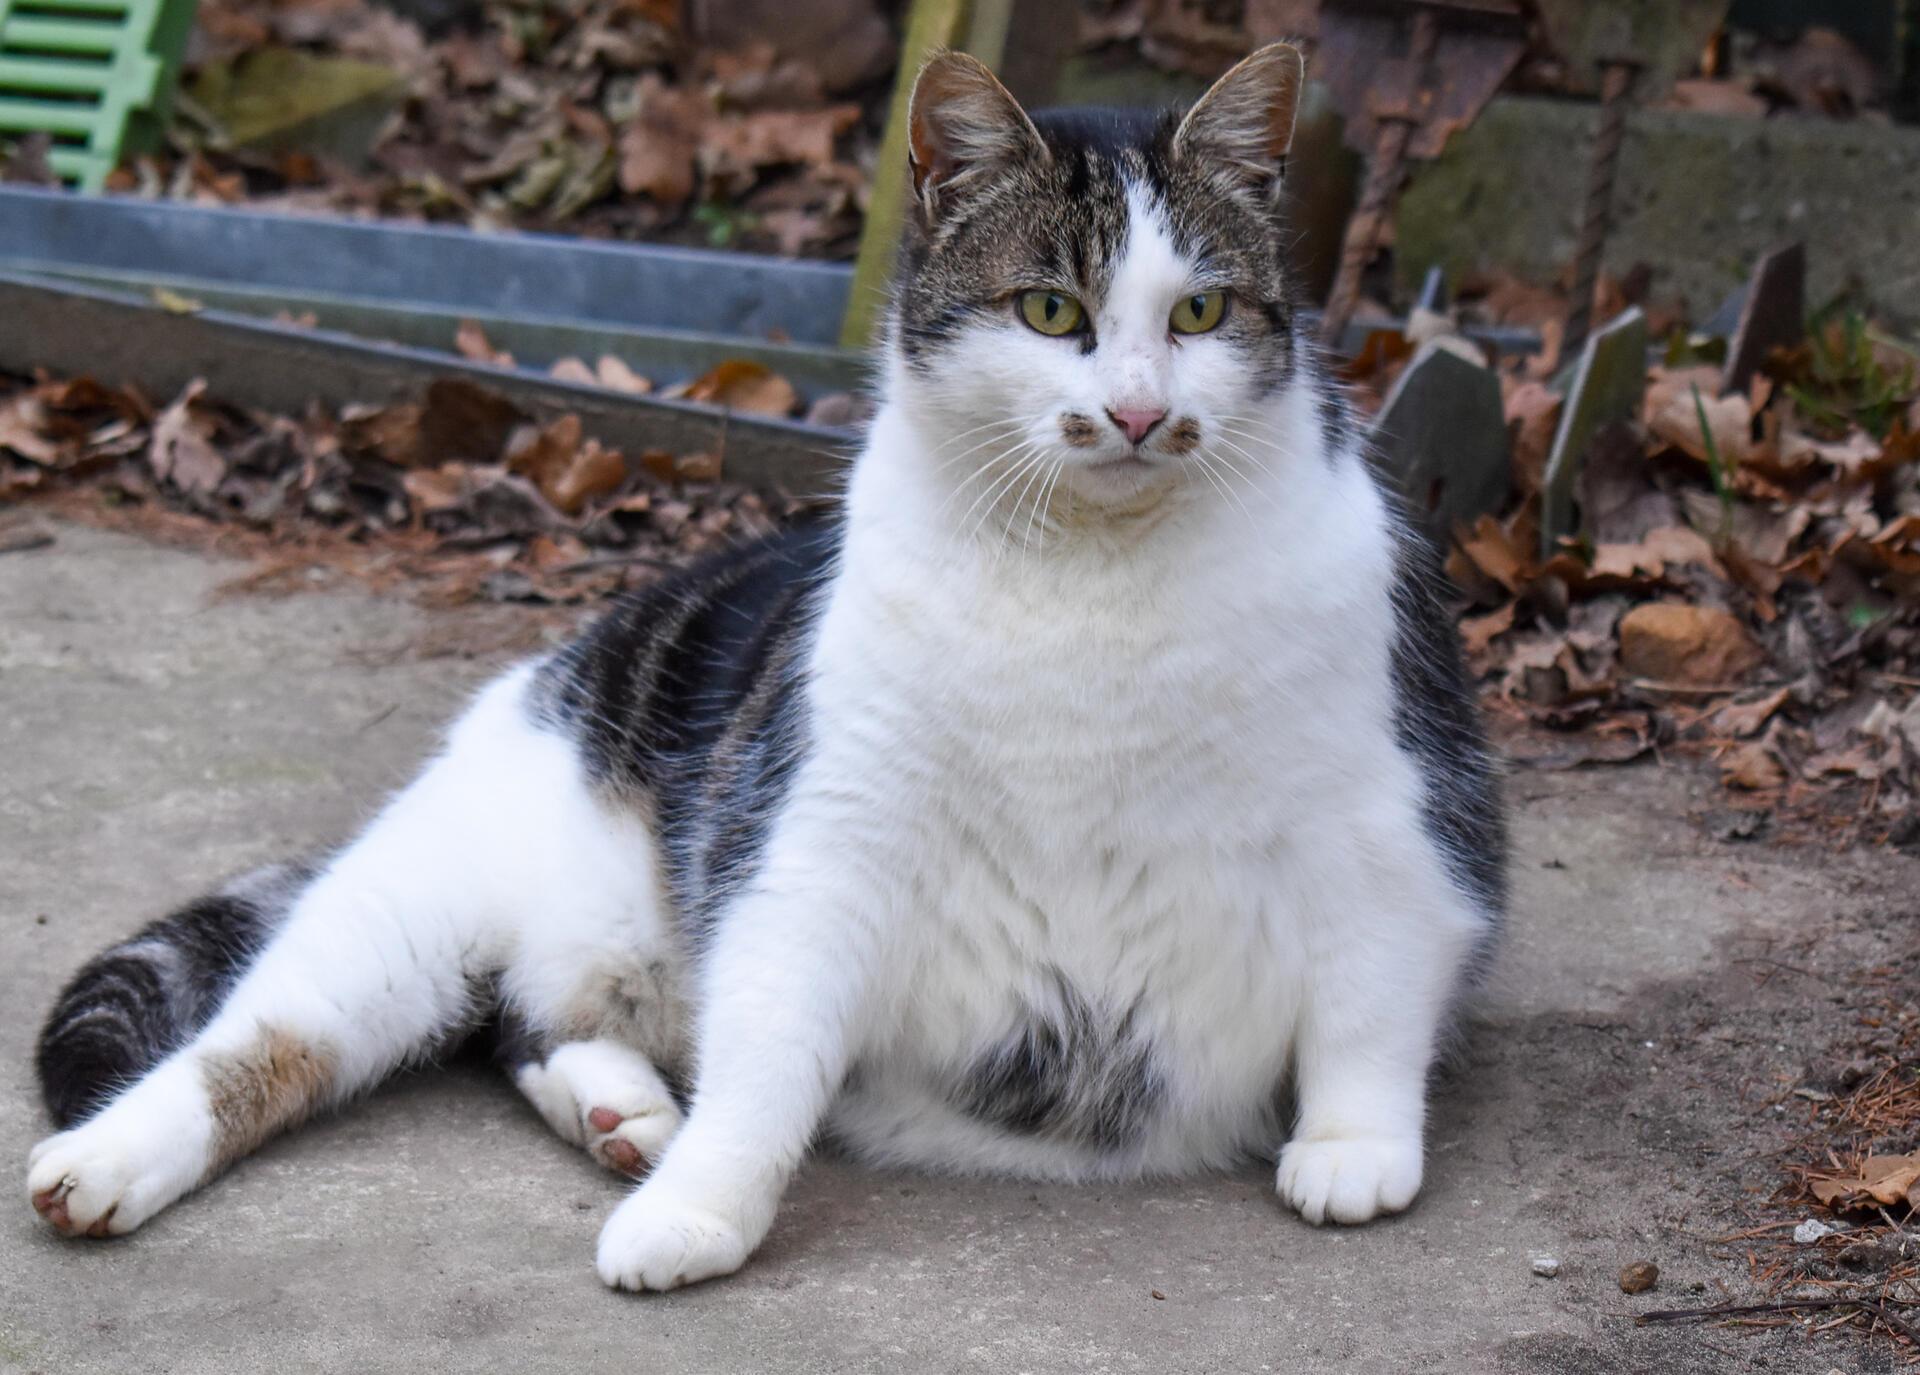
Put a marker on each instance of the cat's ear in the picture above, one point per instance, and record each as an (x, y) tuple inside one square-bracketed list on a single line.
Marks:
[(1244, 124), (963, 129)]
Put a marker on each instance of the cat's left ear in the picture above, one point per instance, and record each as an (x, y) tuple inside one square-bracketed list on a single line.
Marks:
[(964, 129), (1244, 123)]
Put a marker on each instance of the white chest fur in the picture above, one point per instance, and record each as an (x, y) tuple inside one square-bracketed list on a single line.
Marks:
[(1114, 773)]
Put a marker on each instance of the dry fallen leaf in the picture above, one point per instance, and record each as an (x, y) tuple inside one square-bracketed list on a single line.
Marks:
[(1882, 1179), (471, 341), (612, 373), (1492, 550), (1674, 408), (657, 148), (743, 385), (1747, 718), (182, 451), (568, 472), (1532, 413), (1754, 766), (20, 432), (734, 145), (1672, 544), (1478, 632), (574, 370), (434, 490)]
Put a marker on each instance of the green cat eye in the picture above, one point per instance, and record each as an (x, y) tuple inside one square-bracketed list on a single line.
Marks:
[(1051, 312), (1198, 313)]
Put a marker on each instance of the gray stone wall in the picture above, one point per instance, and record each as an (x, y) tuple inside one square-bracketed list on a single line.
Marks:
[(1699, 197)]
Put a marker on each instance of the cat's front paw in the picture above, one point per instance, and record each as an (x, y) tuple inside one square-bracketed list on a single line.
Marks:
[(657, 1241), (1350, 1179)]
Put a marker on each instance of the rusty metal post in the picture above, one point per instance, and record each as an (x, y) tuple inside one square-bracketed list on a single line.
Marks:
[(1363, 229), (1615, 82), (1396, 126)]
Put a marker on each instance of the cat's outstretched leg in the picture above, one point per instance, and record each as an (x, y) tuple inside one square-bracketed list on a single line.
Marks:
[(382, 958), (789, 990)]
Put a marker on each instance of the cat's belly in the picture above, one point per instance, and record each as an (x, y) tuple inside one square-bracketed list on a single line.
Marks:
[(1122, 1018)]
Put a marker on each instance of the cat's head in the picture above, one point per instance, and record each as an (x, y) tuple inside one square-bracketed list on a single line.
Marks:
[(1096, 299)]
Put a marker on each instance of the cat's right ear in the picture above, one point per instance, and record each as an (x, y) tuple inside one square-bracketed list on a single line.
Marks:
[(963, 130)]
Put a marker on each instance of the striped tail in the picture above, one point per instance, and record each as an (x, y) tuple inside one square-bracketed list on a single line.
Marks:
[(137, 1002)]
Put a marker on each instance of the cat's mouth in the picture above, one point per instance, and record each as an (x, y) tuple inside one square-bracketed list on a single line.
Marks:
[(1126, 465)]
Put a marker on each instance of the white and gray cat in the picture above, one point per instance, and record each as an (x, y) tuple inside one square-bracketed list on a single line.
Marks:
[(1095, 796)]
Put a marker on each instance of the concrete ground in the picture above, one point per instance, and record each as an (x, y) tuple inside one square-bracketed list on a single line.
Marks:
[(1613, 1101)]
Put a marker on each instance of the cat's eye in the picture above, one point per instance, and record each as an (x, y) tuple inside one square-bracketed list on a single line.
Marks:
[(1051, 312), (1198, 313)]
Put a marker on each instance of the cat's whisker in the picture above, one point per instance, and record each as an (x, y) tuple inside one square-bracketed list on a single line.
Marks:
[(1003, 431), (1344, 497), (1000, 423), (1052, 487), (1046, 487), (1206, 470), (985, 467), (998, 488), (1039, 470), (1259, 465), (1226, 487), (1255, 440)]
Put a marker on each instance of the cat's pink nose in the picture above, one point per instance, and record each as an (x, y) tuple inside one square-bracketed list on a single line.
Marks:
[(1136, 423)]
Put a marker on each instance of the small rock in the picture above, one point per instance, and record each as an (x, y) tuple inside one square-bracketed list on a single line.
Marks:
[(1733, 826), (1545, 1266), (1639, 1277), (1811, 1231), (1673, 642)]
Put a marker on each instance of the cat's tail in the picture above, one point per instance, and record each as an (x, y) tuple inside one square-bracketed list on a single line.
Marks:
[(136, 1002)]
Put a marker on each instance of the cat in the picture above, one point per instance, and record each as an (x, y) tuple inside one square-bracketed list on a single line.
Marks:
[(1095, 794)]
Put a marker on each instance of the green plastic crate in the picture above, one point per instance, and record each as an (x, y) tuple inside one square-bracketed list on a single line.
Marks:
[(95, 75)]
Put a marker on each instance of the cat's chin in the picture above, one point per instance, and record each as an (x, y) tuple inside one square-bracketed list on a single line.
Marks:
[(1128, 485), (1130, 465), (1123, 477)]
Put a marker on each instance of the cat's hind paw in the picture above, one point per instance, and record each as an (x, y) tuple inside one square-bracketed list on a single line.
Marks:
[(627, 1142), (605, 1097), (654, 1241), (96, 1181), (1350, 1179)]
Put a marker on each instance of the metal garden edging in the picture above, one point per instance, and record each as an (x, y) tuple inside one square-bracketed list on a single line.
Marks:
[(664, 357), (77, 329), (542, 275)]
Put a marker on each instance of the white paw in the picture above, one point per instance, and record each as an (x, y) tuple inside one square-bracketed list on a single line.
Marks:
[(606, 1097), (1350, 1179), (106, 1177), (656, 1241)]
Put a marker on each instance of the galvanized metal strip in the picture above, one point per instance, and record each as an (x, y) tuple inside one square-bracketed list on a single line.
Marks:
[(653, 286), (76, 330), (664, 357)]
